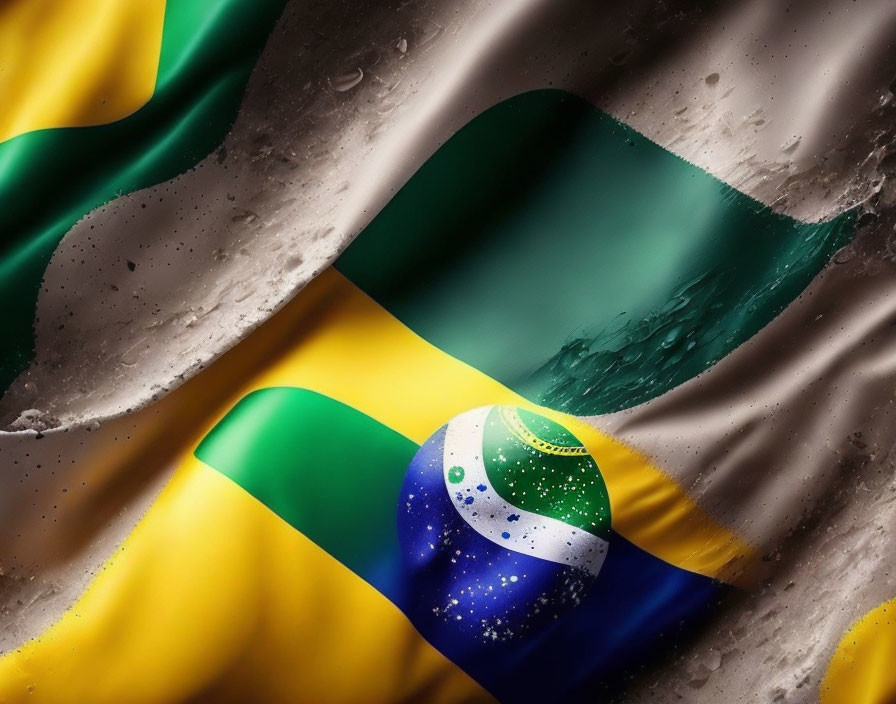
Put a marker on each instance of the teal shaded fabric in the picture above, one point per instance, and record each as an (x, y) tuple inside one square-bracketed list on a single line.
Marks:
[(582, 265)]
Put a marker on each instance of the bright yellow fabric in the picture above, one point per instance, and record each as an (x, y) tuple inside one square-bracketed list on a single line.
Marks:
[(652, 511), (214, 598), (862, 669), (74, 63)]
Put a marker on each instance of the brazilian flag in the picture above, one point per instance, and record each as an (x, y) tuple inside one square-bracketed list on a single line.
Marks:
[(407, 500), (581, 269)]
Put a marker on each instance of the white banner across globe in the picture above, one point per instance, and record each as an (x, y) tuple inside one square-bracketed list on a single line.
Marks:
[(480, 505)]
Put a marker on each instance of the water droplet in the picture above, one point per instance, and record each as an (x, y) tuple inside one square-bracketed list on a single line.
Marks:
[(129, 357), (791, 145), (430, 33), (621, 58), (672, 338), (347, 81), (244, 217), (242, 293)]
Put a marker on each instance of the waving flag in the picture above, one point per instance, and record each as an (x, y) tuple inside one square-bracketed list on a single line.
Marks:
[(545, 430), (101, 98)]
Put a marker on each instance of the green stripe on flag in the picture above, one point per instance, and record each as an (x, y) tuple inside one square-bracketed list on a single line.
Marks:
[(575, 261), (51, 178), (329, 470)]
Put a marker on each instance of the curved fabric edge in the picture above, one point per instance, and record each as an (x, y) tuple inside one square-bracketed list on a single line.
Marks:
[(203, 67), (861, 669), (85, 62)]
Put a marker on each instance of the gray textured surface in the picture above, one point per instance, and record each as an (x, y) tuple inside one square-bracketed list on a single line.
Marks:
[(788, 440)]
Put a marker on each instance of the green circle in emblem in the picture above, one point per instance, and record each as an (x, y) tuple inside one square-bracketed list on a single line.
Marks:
[(456, 475)]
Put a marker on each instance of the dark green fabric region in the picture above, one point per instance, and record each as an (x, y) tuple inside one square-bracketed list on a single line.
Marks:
[(51, 178), (582, 265), (330, 471)]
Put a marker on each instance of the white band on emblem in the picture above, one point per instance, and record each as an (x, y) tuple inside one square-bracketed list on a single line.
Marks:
[(503, 524)]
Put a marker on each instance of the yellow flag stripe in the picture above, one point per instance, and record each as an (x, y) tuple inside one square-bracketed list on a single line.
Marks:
[(75, 63), (214, 598), (861, 670)]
